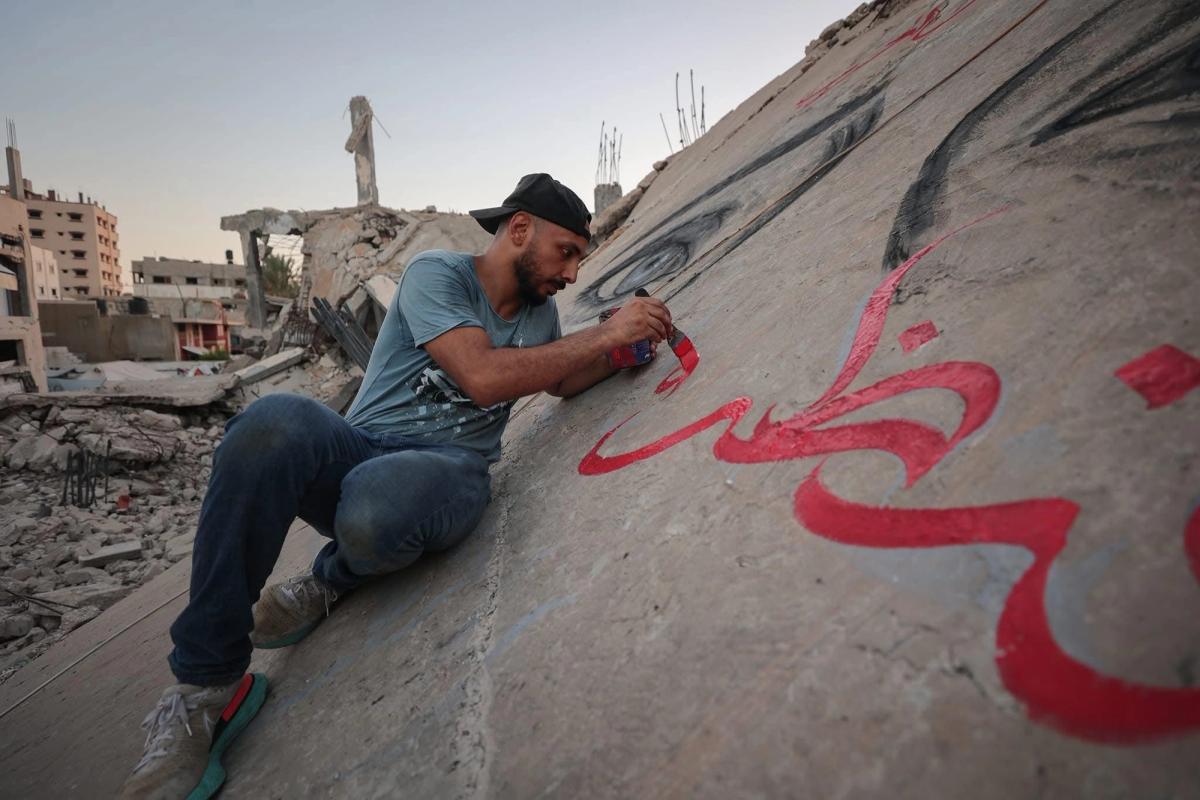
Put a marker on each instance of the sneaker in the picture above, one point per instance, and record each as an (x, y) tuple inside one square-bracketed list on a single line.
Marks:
[(287, 612), (186, 735)]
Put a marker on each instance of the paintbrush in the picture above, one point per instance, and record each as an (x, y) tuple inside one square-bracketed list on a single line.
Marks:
[(679, 342)]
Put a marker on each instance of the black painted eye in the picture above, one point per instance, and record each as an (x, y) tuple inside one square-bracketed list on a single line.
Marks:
[(670, 257), (658, 258)]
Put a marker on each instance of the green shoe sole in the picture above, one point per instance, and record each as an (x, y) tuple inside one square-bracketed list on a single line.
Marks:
[(241, 710), (289, 639)]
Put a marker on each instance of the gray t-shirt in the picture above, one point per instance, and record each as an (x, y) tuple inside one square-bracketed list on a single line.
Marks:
[(404, 391)]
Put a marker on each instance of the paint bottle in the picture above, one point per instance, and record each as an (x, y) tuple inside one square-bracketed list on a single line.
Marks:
[(630, 355)]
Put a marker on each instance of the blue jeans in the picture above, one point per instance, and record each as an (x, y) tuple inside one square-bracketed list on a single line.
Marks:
[(382, 499)]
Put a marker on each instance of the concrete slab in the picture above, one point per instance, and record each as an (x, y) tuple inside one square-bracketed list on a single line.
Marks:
[(110, 553), (167, 392), (845, 557), (269, 366)]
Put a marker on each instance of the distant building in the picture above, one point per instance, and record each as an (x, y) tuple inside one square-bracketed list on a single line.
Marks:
[(22, 359), (83, 237), (205, 301), (45, 274), (197, 279)]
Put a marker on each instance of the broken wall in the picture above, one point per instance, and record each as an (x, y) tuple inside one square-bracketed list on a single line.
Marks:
[(82, 329), (345, 250)]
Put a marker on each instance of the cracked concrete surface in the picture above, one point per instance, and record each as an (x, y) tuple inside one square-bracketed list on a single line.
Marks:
[(671, 628)]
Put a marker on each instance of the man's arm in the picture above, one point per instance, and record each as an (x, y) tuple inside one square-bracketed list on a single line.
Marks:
[(491, 375), (584, 379)]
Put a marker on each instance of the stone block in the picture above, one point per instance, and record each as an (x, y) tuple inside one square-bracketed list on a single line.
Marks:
[(179, 547), (15, 626), (32, 452), (112, 552), (100, 595)]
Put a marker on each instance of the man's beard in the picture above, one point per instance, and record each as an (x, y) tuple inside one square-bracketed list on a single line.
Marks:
[(527, 286)]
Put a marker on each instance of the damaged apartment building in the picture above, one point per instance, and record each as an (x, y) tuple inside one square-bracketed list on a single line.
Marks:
[(206, 302), (22, 359)]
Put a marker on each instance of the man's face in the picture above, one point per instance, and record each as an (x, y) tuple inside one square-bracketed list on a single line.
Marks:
[(548, 263)]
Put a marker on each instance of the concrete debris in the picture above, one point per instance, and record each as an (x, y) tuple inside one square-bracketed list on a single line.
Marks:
[(113, 552), (166, 392), (844, 31), (345, 247), (34, 452), (270, 366), (88, 558), (61, 357), (15, 626), (361, 145), (179, 547), (381, 288)]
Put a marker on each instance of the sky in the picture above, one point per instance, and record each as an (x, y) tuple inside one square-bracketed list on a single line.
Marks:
[(173, 114)]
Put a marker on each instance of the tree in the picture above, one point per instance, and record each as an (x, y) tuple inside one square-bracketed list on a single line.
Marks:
[(279, 276)]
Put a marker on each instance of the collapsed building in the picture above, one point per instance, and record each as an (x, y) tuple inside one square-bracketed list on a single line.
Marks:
[(141, 435), (919, 522)]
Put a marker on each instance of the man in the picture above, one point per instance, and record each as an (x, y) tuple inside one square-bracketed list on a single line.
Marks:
[(405, 472)]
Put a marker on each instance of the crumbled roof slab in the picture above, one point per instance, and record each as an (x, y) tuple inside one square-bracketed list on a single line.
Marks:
[(186, 392)]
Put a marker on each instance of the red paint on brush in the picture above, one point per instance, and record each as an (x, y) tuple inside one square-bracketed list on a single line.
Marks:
[(917, 335), (689, 359), (926, 26), (1057, 689), (1162, 376)]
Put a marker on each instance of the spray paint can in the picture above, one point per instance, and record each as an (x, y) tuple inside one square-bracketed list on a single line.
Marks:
[(630, 355)]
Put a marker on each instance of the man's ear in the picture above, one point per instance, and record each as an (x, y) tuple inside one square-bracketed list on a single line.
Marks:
[(520, 228)]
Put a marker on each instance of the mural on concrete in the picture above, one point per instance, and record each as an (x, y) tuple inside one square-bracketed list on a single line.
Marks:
[(1056, 688), (1115, 86), (670, 246), (925, 27)]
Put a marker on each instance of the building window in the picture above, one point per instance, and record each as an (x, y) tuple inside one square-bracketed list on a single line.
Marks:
[(41, 290), (77, 236), (239, 282), (218, 281), (53, 292), (161, 279), (75, 216), (80, 273), (35, 213), (79, 254), (192, 281), (37, 233)]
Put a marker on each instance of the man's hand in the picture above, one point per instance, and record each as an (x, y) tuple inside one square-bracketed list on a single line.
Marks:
[(639, 318)]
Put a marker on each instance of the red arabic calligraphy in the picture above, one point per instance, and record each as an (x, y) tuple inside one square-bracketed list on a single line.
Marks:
[(1057, 689)]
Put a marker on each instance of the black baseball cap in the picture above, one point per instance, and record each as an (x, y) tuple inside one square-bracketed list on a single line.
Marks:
[(544, 197)]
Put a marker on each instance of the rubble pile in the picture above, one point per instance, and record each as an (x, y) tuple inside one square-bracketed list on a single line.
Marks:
[(61, 565), (325, 379)]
